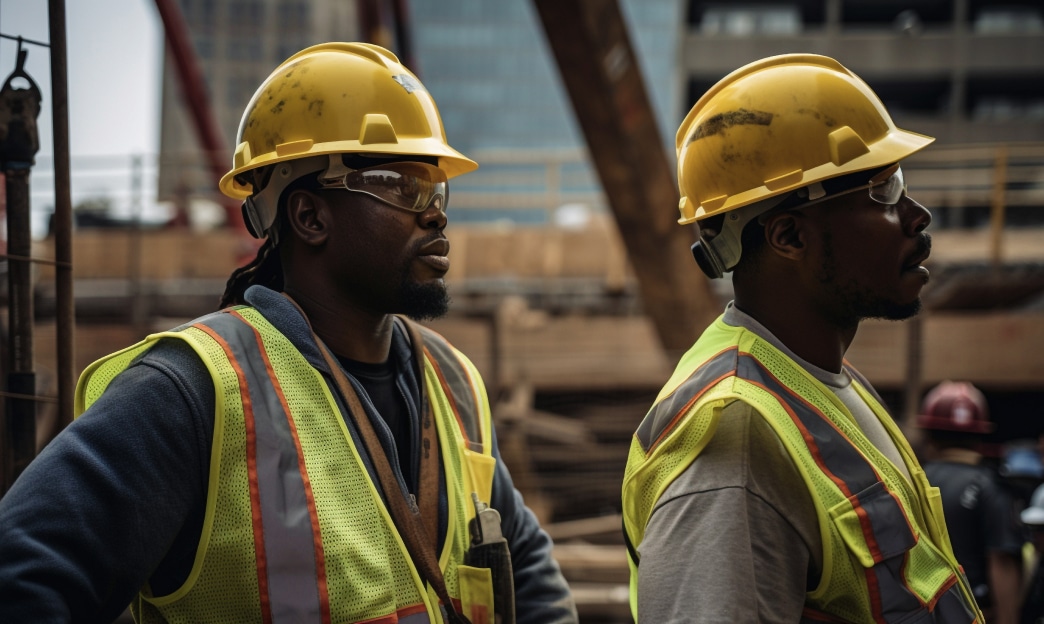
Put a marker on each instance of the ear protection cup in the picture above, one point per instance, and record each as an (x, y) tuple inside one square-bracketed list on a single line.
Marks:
[(708, 261), (249, 214)]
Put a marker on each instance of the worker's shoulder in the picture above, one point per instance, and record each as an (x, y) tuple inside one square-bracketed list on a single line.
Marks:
[(744, 451)]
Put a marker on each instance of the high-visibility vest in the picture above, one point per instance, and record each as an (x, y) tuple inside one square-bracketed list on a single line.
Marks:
[(295, 529), (886, 551)]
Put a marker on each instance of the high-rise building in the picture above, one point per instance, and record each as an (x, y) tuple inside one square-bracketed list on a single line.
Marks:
[(237, 44), (502, 100)]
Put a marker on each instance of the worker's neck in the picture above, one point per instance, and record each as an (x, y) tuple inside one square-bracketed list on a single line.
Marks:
[(349, 331), (799, 325)]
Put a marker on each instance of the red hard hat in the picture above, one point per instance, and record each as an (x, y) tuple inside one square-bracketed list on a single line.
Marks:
[(955, 406)]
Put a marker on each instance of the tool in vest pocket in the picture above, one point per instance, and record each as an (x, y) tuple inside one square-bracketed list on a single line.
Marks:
[(489, 550)]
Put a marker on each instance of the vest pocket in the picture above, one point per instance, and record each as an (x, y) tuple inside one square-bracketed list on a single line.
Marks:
[(476, 593), (872, 525)]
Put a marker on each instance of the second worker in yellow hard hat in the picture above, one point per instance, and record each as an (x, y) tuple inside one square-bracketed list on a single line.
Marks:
[(768, 483)]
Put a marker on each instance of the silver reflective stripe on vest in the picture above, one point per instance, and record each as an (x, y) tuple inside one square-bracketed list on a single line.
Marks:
[(458, 384), (417, 618), (289, 543), (951, 607), (885, 527), (665, 414)]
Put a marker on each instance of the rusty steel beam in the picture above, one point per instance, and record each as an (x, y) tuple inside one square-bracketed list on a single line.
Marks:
[(19, 142), (595, 58), (194, 90)]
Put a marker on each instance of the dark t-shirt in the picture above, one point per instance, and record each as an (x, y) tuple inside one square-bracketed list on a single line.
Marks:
[(379, 382), (980, 517)]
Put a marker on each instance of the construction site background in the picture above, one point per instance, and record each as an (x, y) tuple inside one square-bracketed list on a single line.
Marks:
[(548, 302)]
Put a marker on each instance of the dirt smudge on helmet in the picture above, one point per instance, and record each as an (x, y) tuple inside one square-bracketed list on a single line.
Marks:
[(718, 124), (828, 121)]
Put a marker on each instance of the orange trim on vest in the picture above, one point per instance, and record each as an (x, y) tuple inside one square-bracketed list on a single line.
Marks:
[(448, 392), (251, 457), (864, 520), (950, 582), (696, 396), (395, 617), (313, 514)]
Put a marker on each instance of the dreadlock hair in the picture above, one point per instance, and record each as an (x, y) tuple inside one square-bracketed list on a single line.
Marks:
[(265, 269)]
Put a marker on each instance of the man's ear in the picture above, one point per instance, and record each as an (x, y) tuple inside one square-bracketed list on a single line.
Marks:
[(785, 234), (307, 217)]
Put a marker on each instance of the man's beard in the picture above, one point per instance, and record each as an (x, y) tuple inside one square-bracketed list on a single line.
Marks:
[(856, 303), (422, 302)]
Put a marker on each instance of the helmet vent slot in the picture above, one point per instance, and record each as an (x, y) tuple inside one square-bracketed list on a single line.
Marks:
[(294, 147), (846, 145), (377, 128), (787, 179)]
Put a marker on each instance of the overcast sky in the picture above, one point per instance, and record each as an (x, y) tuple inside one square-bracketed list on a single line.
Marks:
[(114, 55)]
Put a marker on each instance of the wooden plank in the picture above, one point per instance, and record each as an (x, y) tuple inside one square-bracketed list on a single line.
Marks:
[(583, 352), (1003, 349), (586, 528), (995, 350), (478, 252)]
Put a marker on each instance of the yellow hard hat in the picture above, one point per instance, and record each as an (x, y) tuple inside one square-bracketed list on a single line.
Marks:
[(339, 98), (777, 125)]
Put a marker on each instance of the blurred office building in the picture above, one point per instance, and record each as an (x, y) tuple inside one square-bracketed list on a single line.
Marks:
[(969, 72), (237, 44)]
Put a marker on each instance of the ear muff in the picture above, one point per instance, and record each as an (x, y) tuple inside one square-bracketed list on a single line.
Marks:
[(249, 215), (721, 252), (708, 261)]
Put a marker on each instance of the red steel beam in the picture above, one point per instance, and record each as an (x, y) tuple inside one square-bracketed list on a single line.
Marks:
[(194, 90)]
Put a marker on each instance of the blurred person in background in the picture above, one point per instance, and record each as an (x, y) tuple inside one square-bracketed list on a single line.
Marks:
[(308, 453), (768, 483), (1021, 470), (980, 513), (1032, 611)]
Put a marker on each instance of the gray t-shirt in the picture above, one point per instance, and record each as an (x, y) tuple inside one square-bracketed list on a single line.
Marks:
[(735, 538)]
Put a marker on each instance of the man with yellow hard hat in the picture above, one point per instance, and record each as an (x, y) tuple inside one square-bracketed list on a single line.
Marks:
[(768, 483), (307, 453)]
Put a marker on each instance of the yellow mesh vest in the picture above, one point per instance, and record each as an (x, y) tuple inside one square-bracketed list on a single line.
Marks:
[(711, 375), (366, 570)]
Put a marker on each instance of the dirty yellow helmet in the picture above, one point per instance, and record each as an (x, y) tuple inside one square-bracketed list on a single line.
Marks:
[(777, 125), (333, 98)]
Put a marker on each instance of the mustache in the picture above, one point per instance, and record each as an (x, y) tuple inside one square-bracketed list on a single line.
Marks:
[(924, 243), (416, 247)]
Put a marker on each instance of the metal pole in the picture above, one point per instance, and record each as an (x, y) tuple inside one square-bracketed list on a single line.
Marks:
[(194, 88), (21, 410), (65, 306), (18, 148)]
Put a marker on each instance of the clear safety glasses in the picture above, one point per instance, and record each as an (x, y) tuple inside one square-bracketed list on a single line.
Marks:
[(887, 187), (411, 186)]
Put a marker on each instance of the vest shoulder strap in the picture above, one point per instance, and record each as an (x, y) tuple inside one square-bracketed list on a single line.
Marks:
[(462, 385)]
